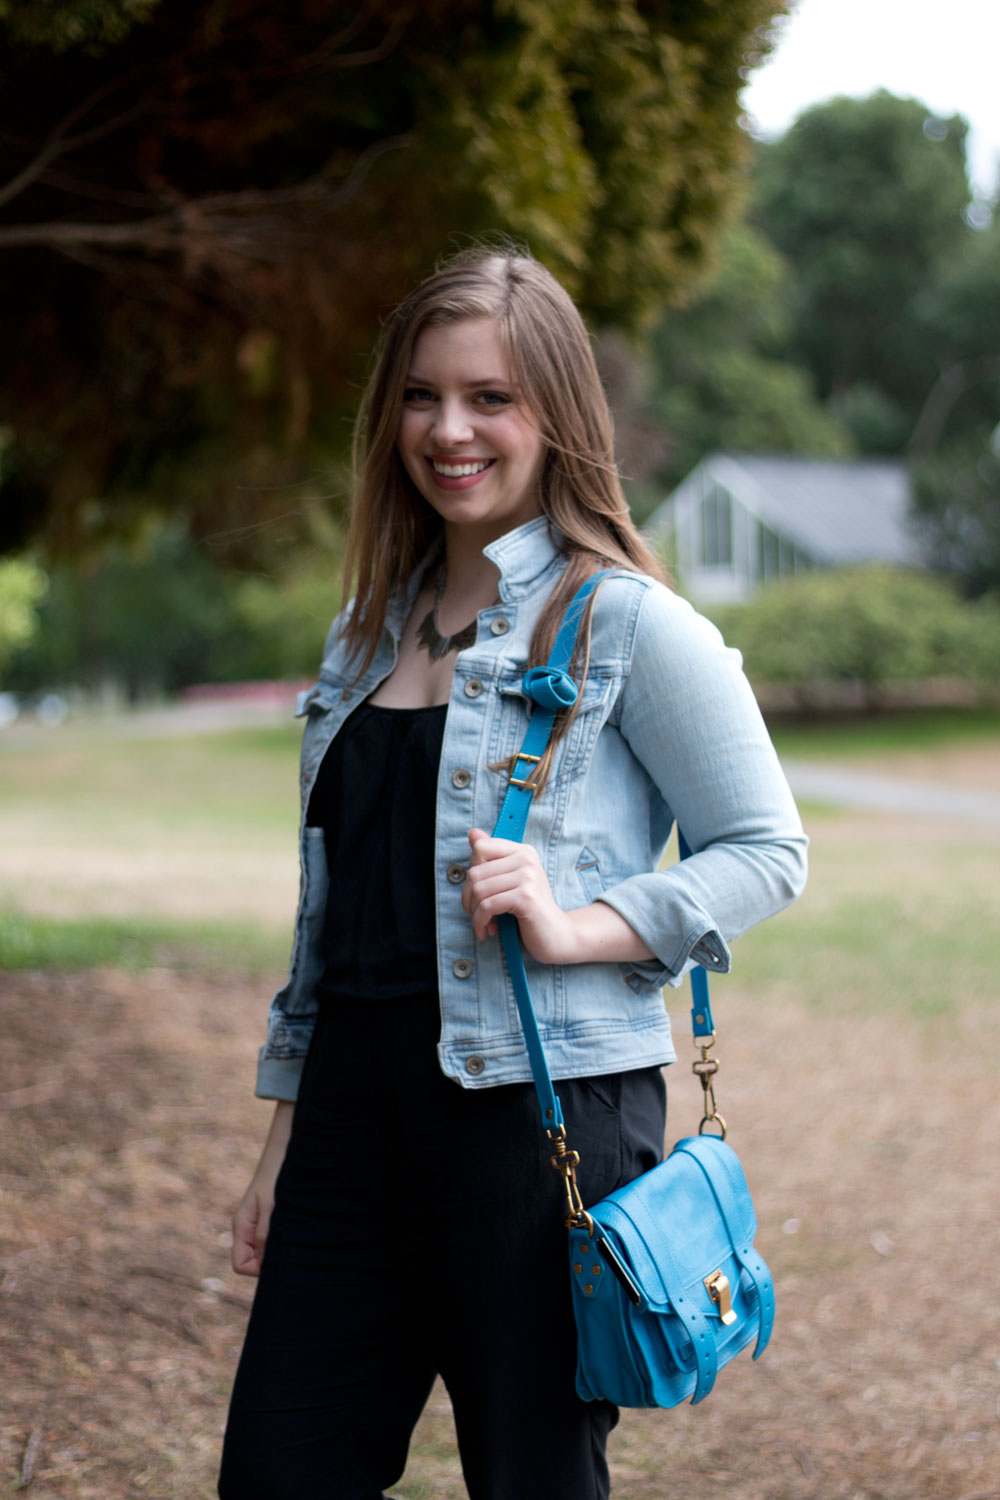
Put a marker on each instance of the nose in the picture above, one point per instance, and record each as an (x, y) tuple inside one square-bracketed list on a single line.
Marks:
[(452, 425)]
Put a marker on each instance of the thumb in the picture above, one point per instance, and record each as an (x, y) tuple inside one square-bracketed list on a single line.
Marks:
[(475, 834)]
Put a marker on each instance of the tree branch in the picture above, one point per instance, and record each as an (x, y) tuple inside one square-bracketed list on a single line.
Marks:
[(249, 223), (59, 143), (942, 396)]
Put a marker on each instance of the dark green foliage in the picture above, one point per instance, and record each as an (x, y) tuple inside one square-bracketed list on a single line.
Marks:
[(865, 197), (158, 614), (144, 618), (211, 206), (721, 371)]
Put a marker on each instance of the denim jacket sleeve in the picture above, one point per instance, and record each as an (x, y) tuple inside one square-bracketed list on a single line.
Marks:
[(690, 718)]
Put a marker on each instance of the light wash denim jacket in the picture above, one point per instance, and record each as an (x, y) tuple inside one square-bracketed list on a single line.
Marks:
[(668, 728)]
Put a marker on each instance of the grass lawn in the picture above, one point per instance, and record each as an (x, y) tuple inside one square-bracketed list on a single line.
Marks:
[(182, 851), (169, 834), (887, 734)]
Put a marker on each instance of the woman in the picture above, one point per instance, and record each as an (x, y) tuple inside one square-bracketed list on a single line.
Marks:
[(417, 1225)]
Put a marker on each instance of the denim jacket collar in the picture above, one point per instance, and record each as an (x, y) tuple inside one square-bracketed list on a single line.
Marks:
[(524, 555)]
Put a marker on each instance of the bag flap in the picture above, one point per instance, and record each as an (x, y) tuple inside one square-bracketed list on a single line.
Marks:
[(680, 1222)]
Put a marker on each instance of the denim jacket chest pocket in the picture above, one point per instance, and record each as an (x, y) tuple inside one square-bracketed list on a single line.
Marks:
[(574, 749)]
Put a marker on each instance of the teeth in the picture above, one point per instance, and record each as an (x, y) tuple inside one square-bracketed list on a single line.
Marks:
[(459, 471)]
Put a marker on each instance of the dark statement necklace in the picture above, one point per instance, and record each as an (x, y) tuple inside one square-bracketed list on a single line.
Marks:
[(434, 643)]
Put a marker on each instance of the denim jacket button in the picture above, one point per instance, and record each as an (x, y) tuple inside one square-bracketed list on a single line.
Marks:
[(499, 626), (461, 778), (474, 1065), (473, 687), (462, 967), (456, 874)]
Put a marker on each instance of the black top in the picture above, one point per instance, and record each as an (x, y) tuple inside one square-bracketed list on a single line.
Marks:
[(375, 798)]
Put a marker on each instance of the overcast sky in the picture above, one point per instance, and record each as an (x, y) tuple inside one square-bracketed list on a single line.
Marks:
[(944, 52)]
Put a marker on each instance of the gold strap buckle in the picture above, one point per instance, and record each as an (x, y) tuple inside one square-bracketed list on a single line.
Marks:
[(523, 781)]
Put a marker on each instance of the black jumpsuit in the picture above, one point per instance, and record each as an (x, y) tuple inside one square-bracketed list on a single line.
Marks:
[(418, 1226)]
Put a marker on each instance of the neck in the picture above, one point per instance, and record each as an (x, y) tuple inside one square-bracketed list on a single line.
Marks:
[(471, 579)]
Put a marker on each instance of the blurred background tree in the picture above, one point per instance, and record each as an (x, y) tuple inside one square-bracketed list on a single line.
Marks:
[(724, 371), (856, 309), (208, 208), (865, 199)]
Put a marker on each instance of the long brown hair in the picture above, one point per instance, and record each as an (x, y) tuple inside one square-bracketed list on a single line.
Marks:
[(552, 363)]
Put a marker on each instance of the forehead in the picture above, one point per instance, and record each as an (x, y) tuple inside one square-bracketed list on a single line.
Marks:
[(471, 350)]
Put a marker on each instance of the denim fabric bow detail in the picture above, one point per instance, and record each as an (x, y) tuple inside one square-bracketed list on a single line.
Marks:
[(550, 687)]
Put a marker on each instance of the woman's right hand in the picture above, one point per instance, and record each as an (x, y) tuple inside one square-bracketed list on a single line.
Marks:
[(252, 1219), (251, 1222)]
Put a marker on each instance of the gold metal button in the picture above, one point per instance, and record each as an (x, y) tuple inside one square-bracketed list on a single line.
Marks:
[(461, 778), (456, 874), (589, 1289), (473, 687)]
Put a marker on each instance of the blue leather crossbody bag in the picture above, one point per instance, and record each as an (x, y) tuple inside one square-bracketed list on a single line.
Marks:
[(667, 1284)]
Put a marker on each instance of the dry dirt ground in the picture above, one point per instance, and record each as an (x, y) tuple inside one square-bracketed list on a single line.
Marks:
[(871, 1145)]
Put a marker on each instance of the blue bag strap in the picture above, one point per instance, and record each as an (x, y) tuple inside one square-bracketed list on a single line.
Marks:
[(550, 689), (701, 1008)]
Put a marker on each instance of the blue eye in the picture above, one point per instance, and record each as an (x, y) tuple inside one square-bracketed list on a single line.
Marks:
[(494, 398), (417, 393)]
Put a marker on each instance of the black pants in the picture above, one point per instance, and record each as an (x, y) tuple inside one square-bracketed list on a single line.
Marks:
[(418, 1231)]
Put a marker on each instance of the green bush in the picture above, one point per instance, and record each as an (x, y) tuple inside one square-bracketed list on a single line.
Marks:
[(278, 625), (22, 586), (872, 626), (159, 614)]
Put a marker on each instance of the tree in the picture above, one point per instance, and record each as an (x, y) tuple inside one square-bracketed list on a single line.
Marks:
[(209, 207), (955, 445), (721, 374), (865, 199)]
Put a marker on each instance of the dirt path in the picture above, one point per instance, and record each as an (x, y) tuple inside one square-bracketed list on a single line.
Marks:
[(871, 1145)]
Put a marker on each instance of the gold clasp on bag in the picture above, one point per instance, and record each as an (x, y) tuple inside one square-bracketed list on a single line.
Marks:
[(718, 1289), (566, 1163), (704, 1069)]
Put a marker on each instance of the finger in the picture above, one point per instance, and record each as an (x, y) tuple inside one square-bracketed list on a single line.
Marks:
[(485, 846), (477, 836), (245, 1259), (506, 868)]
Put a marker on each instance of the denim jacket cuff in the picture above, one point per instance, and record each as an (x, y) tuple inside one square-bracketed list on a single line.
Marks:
[(679, 939), (278, 1077)]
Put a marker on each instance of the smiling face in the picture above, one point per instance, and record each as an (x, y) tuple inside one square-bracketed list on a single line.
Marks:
[(465, 440)]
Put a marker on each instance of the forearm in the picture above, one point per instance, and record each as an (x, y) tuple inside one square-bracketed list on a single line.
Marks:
[(276, 1143), (599, 934), (253, 1217)]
